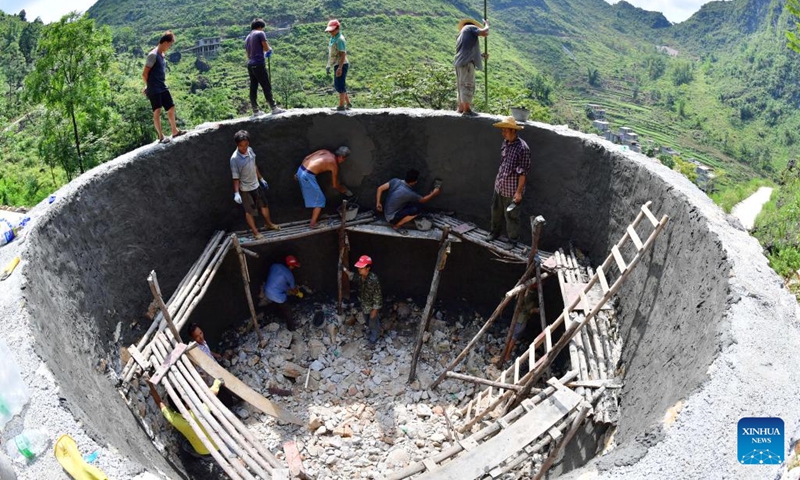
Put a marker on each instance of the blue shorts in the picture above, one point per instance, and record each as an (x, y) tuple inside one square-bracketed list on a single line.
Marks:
[(312, 194), (339, 83)]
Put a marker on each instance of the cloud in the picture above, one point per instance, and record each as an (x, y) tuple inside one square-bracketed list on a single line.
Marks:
[(47, 10), (675, 10)]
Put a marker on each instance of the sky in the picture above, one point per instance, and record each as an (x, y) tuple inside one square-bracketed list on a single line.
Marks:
[(51, 10)]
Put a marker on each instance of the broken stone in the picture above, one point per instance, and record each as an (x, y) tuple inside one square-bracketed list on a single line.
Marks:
[(316, 349), (292, 370), (438, 410), (398, 457), (343, 431), (253, 361), (321, 430), (423, 410), (314, 423), (437, 438), (284, 338), (443, 347), (273, 327)]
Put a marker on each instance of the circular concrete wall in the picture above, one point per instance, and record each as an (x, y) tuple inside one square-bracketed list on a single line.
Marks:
[(703, 318)]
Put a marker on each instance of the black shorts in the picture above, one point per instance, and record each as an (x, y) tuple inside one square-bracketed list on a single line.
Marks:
[(254, 200), (161, 100)]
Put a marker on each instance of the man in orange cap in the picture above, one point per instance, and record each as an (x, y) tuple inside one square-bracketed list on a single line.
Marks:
[(369, 294), (510, 182), (280, 284)]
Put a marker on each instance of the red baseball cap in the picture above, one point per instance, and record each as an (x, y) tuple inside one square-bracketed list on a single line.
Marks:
[(333, 25), (363, 261), (291, 261)]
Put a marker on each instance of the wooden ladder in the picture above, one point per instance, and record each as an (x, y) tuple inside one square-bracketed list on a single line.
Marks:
[(610, 275)]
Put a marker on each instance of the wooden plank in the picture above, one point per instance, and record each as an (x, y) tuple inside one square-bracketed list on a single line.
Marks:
[(507, 442), (635, 238), (610, 383), (241, 389), (172, 357), (618, 258), (429, 464), (649, 214), (138, 357), (464, 228), (293, 459), (385, 229), (601, 276)]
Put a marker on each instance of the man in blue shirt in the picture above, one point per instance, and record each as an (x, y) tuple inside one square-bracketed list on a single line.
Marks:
[(257, 50), (280, 284), (403, 204)]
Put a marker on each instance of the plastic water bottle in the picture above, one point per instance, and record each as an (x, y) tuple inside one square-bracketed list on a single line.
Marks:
[(13, 391), (6, 232), (27, 445)]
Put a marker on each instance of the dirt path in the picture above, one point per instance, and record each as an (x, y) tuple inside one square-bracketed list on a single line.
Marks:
[(748, 209)]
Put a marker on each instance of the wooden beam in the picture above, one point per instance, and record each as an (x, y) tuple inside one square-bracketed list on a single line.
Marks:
[(484, 381), (156, 290), (424, 321), (238, 387), (247, 294)]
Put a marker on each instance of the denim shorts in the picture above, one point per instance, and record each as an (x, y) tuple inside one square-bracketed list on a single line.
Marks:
[(339, 83)]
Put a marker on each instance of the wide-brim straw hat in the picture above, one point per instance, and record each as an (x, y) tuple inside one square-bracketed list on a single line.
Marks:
[(508, 122), (467, 21)]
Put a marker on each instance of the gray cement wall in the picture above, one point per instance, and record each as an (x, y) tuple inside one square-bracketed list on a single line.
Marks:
[(89, 254)]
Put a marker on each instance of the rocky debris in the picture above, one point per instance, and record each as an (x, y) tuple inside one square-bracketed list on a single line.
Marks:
[(364, 419)]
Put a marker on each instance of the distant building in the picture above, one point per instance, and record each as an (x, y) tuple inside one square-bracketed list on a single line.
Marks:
[(601, 125), (205, 46), (669, 151), (596, 111), (705, 177), (627, 135)]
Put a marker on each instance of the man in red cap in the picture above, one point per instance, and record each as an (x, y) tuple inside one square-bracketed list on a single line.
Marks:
[(369, 295), (280, 284)]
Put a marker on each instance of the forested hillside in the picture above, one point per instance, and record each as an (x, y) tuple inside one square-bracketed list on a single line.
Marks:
[(721, 87)]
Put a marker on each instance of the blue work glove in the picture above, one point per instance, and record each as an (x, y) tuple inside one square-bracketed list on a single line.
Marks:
[(264, 183), (237, 198), (268, 53)]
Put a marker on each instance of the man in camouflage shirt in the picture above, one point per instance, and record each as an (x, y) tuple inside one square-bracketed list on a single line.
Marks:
[(369, 294)]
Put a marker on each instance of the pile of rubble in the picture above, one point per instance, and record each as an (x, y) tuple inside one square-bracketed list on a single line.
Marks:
[(364, 419)]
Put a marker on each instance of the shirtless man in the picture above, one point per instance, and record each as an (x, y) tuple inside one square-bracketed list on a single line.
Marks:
[(314, 164)]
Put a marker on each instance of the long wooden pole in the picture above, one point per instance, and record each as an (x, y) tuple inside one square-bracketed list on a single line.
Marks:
[(246, 280), (340, 267), (486, 60), (521, 284), (153, 281), (441, 260)]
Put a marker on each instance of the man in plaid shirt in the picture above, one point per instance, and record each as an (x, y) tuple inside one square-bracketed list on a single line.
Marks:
[(510, 182)]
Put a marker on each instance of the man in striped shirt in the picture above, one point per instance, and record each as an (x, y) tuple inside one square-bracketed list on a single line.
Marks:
[(509, 186)]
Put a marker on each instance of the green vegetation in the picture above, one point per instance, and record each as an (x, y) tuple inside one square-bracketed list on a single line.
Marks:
[(728, 197), (778, 228)]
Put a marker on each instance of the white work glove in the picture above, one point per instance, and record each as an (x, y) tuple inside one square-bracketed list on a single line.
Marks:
[(264, 183), (237, 198), (348, 193)]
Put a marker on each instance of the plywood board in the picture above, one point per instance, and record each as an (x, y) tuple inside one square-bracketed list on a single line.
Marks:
[(241, 389), (386, 230), (509, 441)]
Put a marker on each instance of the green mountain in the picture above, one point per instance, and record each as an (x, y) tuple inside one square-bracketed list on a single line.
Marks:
[(720, 87)]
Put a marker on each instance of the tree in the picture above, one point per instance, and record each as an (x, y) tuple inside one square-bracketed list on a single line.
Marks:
[(69, 75), (794, 37), (682, 74)]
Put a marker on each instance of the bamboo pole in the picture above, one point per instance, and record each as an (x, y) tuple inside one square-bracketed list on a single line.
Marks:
[(549, 358), (341, 265), (424, 321), (191, 372), (176, 298), (484, 381), (495, 315), (246, 281), (228, 432), (222, 461), (536, 231), (564, 440), (183, 314)]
